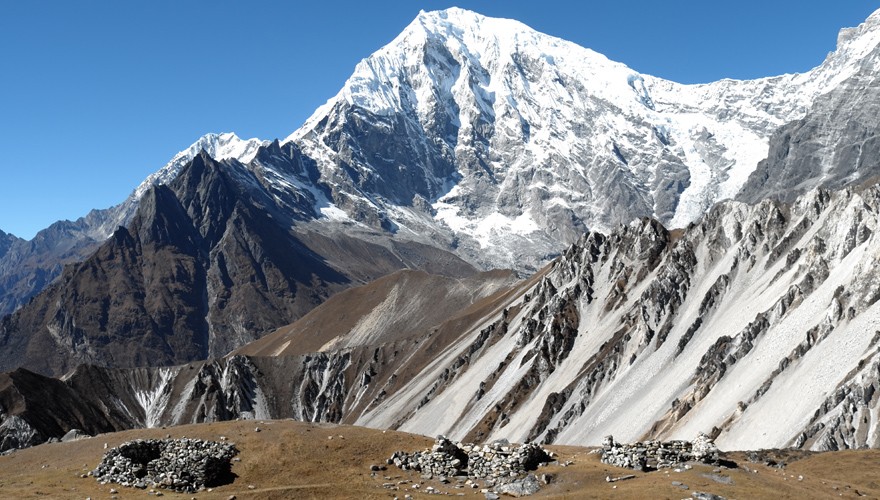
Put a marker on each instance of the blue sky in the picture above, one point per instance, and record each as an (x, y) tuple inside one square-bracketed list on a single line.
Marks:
[(96, 95)]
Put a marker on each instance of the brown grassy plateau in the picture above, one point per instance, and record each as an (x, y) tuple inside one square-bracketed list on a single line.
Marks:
[(288, 459)]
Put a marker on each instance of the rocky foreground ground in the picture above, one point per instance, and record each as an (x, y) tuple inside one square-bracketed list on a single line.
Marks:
[(288, 459)]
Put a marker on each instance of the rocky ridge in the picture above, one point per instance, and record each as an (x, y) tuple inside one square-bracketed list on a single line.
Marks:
[(29, 266), (834, 144), (207, 265), (644, 333)]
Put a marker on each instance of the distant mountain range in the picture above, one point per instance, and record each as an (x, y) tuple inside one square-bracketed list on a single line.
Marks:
[(470, 143)]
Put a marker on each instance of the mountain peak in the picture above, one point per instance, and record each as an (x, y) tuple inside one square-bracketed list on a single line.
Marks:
[(855, 46), (866, 34), (463, 18), (6, 241), (219, 146), (486, 37), (516, 130)]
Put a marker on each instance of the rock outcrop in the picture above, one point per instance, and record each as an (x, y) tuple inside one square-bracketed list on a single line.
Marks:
[(835, 144)]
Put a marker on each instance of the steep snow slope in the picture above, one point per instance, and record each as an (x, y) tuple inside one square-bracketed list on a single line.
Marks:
[(760, 324), (515, 140)]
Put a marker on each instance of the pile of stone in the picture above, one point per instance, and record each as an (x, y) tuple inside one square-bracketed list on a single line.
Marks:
[(445, 458), (183, 465), (659, 454), (500, 460)]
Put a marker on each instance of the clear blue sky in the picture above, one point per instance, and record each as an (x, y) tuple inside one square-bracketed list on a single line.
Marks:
[(96, 95)]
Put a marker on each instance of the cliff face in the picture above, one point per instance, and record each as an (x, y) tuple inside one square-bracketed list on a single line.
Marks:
[(833, 146)]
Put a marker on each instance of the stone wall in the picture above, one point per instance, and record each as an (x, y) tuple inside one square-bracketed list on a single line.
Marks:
[(184, 465), (659, 454), (500, 460)]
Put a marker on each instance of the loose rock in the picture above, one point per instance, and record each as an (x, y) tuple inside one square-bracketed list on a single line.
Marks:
[(74, 435), (523, 487), (700, 495)]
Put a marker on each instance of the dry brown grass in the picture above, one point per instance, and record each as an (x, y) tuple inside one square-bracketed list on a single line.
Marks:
[(290, 459)]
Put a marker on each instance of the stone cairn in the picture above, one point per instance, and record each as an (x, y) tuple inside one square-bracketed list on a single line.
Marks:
[(659, 454), (182, 465), (499, 461)]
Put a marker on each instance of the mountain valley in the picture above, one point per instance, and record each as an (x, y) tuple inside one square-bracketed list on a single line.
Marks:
[(488, 233)]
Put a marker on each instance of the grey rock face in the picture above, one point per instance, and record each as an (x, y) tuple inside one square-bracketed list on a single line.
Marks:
[(27, 267), (701, 495), (74, 435), (835, 145), (6, 241), (524, 487)]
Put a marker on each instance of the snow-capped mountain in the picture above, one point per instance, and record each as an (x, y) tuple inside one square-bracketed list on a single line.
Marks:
[(516, 141), (219, 146), (485, 138), (27, 267)]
